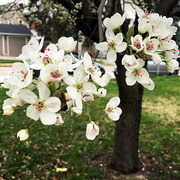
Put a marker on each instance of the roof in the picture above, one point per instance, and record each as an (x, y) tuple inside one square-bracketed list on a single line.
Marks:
[(14, 29)]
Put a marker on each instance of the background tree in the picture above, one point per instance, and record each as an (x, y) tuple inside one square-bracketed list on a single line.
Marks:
[(86, 14)]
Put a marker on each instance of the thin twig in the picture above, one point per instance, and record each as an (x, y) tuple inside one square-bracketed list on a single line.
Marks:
[(99, 12)]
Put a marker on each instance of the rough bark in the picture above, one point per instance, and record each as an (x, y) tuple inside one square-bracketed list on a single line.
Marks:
[(125, 157)]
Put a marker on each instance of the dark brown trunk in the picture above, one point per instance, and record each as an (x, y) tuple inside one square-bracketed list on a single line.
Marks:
[(125, 157)]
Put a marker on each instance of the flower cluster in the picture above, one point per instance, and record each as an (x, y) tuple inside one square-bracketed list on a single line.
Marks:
[(154, 41), (55, 89)]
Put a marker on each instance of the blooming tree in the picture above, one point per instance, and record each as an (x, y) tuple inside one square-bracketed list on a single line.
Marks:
[(55, 85)]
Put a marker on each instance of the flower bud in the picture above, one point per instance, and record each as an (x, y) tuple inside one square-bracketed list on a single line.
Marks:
[(156, 59), (23, 134), (101, 92), (172, 65), (92, 130), (88, 97), (8, 110), (59, 120), (142, 27)]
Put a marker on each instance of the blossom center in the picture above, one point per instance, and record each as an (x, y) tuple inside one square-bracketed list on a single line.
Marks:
[(150, 46), (93, 69), (137, 73), (79, 87), (111, 109), (39, 105), (47, 60), (55, 74), (23, 75), (137, 44), (111, 45)]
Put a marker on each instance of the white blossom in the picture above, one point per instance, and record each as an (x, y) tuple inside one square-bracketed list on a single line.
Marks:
[(150, 45), (21, 76), (23, 134), (172, 53), (115, 21), (53, 73), (172, 65), (51, 55), (139, 74), (43, 107), (75, 110), (112, 110), (114, 44), (156, 59), (101, 92), (59, 120), (92, 130), (149, 84), (67, 44), (33, 46), (137, 43), (130, 62), (8, 107)]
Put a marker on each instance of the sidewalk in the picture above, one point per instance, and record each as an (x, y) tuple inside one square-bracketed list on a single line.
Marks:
[(8, 57)]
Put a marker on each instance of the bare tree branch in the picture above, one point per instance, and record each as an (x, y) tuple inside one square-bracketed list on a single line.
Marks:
[(99, 12)]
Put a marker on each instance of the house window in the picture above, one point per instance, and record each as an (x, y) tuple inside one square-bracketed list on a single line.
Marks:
[(20, 21), (10, 21)]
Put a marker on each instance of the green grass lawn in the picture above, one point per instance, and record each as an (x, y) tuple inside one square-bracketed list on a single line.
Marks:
[(5, 61), (50, 147)]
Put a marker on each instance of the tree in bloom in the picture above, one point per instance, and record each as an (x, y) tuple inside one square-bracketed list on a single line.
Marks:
[(59, 91)]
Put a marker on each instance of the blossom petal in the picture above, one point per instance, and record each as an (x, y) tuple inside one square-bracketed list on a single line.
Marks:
[(111, 56), (47, 118), (110, 36), (72, 91), (69, 80), (98, 80), (78, 100), (130, 80), (121, 47), (87, 60), (103, 46), (28, 96), (44, 91), (53, 104), (115, 101), (119, 38), (90, 88), (33, 113)]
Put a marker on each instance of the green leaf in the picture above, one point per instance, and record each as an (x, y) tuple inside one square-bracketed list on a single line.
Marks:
[(130, 33)]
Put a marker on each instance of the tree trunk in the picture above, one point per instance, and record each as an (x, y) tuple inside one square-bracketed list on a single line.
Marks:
[(125, 157)]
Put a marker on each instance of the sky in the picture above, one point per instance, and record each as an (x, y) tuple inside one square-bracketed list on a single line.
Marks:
[(7, 1)]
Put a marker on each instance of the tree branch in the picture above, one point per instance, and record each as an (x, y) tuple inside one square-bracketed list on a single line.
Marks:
[(99, 12), (166, 6)]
